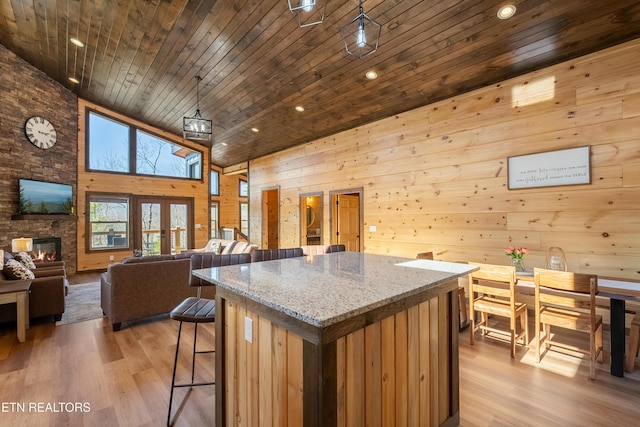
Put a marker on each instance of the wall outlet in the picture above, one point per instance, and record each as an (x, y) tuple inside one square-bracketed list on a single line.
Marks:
[(248, 329), (111, 258), (373, 228)]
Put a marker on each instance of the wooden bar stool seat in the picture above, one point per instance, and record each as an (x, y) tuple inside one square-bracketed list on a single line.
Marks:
[(192, 310), (634, 343)]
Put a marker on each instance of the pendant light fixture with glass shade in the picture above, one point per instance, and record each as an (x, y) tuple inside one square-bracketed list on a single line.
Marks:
[(361, 36), (308, 12), (196, 128)]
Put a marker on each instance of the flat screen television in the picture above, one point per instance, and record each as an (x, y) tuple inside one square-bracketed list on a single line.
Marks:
[(39, 197)]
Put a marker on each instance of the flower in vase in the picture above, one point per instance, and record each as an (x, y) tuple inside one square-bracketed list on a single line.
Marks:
[(516, 255)]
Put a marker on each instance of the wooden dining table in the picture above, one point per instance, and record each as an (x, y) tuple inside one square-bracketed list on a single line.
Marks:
[(618, 291)]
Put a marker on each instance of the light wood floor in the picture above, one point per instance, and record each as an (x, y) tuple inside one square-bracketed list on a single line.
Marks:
[(124, 377)]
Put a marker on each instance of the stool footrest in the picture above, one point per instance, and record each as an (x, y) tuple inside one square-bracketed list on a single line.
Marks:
[(194, 384)]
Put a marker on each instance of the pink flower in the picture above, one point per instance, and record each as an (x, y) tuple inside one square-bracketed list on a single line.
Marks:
[(516, 253)]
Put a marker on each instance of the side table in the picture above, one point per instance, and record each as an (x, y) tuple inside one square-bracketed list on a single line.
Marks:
[(18, 292)]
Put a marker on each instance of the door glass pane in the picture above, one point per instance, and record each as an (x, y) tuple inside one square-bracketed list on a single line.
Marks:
[(179, 226), (150, 228)]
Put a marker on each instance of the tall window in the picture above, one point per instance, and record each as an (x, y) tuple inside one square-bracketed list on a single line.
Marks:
[(244, 218), (244, 188), (214, 220), (108, 225), (155, 156), (107, 144), (215, 183), (110, 142)]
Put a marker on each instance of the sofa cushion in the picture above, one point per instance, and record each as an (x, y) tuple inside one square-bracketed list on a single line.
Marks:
[(213, 246), (25, 260), (149, 258), (237, 247), (14, 270)]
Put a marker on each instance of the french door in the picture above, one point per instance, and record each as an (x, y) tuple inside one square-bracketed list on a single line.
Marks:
[(163, 225)]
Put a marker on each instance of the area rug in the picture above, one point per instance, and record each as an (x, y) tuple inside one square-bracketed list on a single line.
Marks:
[(82, 303)]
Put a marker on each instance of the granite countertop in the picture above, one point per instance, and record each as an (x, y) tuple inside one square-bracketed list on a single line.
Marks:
[(325, 289)]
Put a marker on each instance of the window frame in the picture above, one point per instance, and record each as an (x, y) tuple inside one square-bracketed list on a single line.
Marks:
[(246, 183), (240, 217), (211, 193), (213, 232), (88, 223), (133, 141)]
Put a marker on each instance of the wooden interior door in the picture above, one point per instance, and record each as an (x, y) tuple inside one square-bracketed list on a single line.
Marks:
[(348, 221), (163, 225), (271, 218)]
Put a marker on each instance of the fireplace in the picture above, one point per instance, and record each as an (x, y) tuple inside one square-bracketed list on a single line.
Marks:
[(47, 249)]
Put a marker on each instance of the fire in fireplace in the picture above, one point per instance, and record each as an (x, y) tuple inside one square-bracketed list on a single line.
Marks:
[(47, 249)]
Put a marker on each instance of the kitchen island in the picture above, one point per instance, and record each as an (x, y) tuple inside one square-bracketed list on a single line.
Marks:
[(338, 339)]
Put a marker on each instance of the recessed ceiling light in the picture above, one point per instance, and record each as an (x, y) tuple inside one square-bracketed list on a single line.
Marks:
[(299, 108), (256, 130), (224, 144), (506, 11), (371, 75), (74, 80), (76, 42)]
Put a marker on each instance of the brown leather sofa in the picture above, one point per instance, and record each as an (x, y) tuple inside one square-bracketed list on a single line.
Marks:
[(271, 254), (148, 286), (47, 295)]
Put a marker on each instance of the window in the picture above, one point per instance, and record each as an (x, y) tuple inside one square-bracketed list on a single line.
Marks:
[(215, 183), (244, 188), (244, 218), (155, 156), (108, 225), (107, 144), (214, 220), (110, 145)]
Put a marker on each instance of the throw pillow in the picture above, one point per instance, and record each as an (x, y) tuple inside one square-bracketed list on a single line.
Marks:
[(25, 260), (213, 247), (238, 248), (14, 270)]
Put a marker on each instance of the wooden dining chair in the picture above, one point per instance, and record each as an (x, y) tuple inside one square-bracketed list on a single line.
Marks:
[(463, 320), (568, 300), (492, 291)]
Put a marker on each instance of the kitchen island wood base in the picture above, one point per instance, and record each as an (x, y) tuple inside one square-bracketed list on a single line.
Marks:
[(396, 365)]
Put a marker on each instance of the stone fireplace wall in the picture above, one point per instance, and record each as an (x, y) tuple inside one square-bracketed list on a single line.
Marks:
[(28, 92)]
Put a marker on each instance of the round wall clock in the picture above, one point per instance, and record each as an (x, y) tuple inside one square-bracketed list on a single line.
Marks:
[(40, 132)]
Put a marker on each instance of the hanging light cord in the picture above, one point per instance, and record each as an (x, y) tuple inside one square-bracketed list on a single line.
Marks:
[(198, 78)]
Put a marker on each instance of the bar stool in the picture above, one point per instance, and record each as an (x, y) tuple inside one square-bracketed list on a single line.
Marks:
[(192, 310)]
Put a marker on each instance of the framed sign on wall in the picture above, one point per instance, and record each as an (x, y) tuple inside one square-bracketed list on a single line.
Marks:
[(571, 166)]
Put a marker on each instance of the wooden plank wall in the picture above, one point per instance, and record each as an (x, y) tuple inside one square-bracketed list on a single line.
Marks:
[(393, 372), (129, 184), (435, 178)]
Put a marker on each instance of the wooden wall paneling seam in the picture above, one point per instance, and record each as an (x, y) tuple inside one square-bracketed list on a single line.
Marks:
[(373, 374), (224, 321), (266, 338)]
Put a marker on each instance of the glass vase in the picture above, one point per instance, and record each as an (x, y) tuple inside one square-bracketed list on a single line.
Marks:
[(518, 264)]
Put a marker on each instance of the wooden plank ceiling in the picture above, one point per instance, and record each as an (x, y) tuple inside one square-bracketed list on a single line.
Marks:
[(141, 57)]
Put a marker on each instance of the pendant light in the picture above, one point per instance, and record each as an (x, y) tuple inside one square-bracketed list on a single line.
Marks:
[(196, 128), (308, 12), (361, 36)]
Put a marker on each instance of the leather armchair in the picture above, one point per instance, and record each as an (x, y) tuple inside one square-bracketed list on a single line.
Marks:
[(46, 298)]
